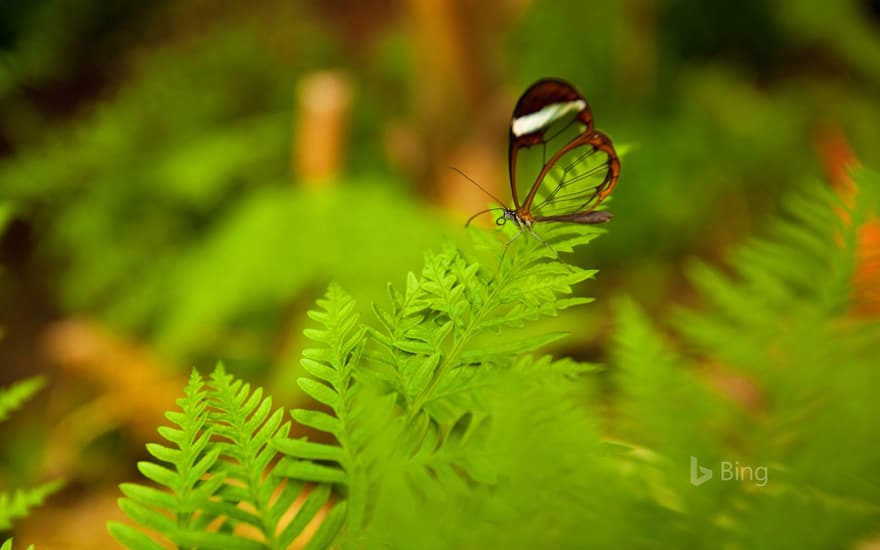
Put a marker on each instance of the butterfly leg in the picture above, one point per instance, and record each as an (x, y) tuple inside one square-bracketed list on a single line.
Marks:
[(545, 243), (506, 248), (504, 253)]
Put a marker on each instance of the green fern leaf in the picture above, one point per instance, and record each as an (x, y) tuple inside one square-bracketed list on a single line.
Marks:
[(334, 385), (329, 528), (776, 371), (13, 397), (183, 482), (21, 501), (221, 458), (313, 503), (7, 544), (246, 425)]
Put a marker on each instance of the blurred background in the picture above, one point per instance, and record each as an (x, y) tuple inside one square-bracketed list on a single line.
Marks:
[(180, 180)]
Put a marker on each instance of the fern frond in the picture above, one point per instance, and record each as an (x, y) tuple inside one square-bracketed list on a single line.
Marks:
[(434, 327), (20, 502), (179, 511), (798, 277), (524, 473), (333, 384), (218, 474), (780, 340), (7, 545), (438, 352), (244, 425), (14, 396), (414, 397)]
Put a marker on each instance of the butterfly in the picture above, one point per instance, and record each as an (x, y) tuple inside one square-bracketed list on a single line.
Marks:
[(554, 145)]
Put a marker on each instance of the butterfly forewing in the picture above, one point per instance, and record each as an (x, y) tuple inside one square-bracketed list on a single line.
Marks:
[(560, 167)]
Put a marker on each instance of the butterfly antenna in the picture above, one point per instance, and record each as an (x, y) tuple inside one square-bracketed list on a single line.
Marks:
[(480, 213), (465, 176)]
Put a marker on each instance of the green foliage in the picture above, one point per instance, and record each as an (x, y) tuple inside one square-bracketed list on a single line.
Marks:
[(278, 237), (442, 403), (13, 397), (337, 389), (182, 171), (437, 428), (796, 370), (20, 502), (219, 473), (412, 394), (445, 320), (7, 545)]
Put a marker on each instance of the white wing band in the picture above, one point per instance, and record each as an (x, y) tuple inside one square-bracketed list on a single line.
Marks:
[(533, 122)]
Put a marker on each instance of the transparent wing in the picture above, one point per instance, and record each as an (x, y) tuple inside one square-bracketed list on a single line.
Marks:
[(560, 167), (569, 171), (574, 183)]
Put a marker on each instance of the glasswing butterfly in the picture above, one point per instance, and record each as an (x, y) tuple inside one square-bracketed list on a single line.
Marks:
[(571, 166)]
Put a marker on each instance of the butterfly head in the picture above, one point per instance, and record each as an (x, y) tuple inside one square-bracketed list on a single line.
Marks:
[(510, 214)]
